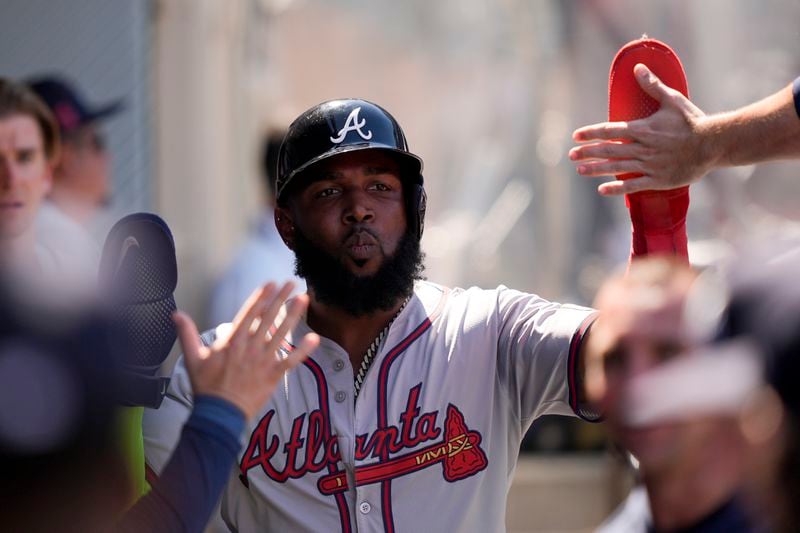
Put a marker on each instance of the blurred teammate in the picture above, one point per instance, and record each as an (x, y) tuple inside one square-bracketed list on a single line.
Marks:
[(28, 154), (60, 466), (81, 184), (263, 256), (764, 314), (679, 144), (60, 462), (690, 458)]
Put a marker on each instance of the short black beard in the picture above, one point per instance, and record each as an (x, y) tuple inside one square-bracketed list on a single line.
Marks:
[(335, 285)]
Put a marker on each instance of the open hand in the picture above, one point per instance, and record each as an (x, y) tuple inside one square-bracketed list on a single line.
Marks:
[(244, 367), (666, 148)]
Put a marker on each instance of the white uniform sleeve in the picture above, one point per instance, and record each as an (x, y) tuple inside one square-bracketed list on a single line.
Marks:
[(538, 346)]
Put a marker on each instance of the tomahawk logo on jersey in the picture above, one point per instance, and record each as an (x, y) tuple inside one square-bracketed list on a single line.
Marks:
[(432, 439)]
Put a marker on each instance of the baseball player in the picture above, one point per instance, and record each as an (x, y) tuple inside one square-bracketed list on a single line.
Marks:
[(409, 414)]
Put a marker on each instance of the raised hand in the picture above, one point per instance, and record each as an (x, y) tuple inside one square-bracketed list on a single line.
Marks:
[(244, 366), (667, 148)]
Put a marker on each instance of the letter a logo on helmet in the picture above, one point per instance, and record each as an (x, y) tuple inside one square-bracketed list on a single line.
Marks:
[(352, 124)]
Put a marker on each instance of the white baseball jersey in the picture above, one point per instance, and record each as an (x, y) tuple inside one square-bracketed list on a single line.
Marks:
[(431, 442)]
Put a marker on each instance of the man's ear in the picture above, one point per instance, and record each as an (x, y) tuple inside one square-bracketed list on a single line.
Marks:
[(285, 225)]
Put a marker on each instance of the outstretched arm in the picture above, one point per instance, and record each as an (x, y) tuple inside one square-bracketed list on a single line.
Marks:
[(763, 131), (244, 367), (679, 143), (231, 381)]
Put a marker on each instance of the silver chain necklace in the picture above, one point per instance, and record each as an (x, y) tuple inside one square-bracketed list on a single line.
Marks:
[(372, 351)]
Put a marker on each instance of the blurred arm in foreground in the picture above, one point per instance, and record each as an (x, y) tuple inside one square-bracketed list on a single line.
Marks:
[(231, 380), (59, 448)]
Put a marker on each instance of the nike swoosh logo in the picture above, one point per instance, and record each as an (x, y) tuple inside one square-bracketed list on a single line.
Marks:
[(127, 244)]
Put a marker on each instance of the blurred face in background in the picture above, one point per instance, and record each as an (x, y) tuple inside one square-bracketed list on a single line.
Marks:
[(84, 167), (641, 329), (25, 174)]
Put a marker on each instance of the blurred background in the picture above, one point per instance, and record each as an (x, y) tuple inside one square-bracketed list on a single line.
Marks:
[(488, 93)]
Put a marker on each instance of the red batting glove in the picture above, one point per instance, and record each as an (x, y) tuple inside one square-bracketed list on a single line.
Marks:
[(658, 217)]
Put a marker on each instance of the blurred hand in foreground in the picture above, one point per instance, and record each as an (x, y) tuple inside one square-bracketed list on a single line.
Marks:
[(245, 366)]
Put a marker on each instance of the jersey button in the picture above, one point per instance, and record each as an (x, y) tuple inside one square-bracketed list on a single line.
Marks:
[(338, 365), (340, 396), (364, 507)]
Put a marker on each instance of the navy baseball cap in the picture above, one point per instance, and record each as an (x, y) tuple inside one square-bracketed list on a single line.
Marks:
[(68, 105), (764, 308)]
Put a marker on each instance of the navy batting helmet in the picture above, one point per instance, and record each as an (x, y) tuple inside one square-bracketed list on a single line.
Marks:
[(348, 125)]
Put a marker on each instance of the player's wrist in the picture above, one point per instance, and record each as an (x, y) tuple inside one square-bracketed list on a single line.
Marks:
[(711, 149), (229, 396), (220, 412)]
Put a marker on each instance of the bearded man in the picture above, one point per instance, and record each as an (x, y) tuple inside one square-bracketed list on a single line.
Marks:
[(409, 414)]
